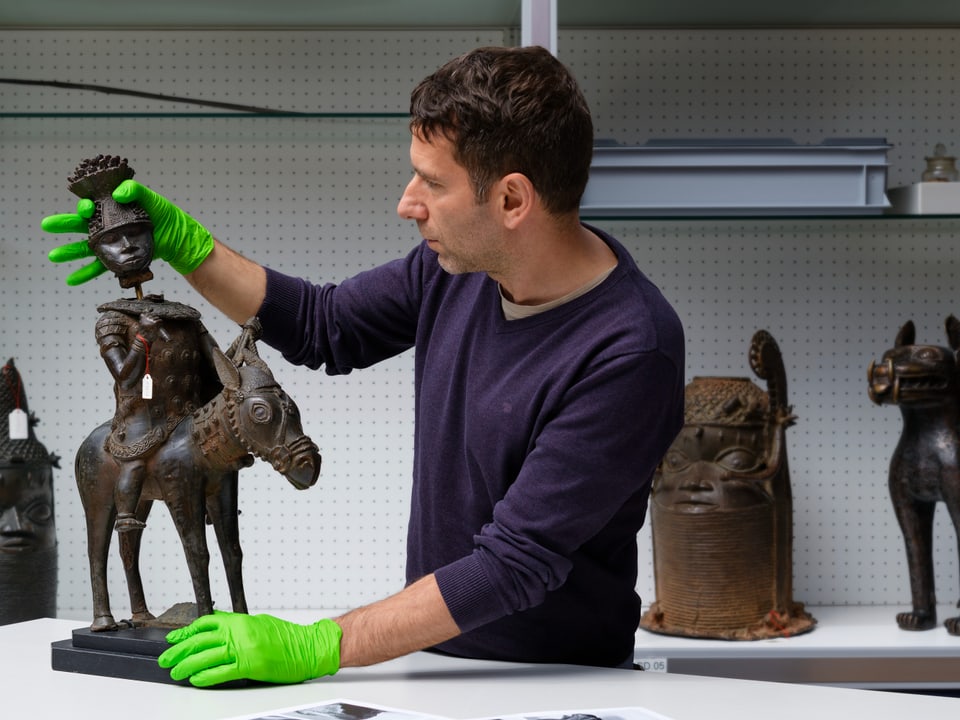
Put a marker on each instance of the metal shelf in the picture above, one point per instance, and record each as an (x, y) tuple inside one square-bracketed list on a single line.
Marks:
[(374, 14), (852, 646)]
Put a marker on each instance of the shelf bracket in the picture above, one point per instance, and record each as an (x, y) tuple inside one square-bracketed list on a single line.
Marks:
[(538, 24)]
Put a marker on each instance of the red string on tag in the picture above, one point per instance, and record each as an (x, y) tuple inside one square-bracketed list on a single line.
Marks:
[(146, 384), (146, 352), (13, 391), (18, 424)]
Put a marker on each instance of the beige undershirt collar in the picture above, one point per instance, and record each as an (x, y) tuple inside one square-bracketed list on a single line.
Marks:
[(513, 311)]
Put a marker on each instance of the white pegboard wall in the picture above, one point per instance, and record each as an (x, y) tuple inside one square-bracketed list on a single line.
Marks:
[(806, 85), (347, 71), (317, 197)]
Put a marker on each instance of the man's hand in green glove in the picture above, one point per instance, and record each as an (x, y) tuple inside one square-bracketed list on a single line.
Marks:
[(177, 237), (225, 646)]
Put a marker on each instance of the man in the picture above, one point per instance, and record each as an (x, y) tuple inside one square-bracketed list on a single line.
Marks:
[(549, 379)]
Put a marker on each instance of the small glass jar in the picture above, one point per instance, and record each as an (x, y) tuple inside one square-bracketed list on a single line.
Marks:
[(940, 166)]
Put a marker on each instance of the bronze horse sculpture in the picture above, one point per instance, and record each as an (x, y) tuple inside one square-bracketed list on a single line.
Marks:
[(195, 473), (924, 380)]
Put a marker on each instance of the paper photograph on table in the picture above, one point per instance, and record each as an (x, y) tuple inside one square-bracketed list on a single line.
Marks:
[(624, 713), (352, 710), (339, 710)]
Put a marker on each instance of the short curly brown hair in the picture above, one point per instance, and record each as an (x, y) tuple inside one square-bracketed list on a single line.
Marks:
[(510, 110)]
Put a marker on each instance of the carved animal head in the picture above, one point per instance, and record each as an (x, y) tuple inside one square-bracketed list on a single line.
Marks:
[(910, 374), (262, 416)]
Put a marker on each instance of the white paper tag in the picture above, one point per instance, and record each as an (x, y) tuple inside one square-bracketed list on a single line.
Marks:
[(19, 425), (147, 387)]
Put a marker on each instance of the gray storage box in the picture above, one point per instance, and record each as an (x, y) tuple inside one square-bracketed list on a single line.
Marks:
[(737, 177)]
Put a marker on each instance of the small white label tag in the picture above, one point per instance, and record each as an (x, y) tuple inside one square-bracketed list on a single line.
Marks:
[(653, 664), (147, 387), (19, 425)]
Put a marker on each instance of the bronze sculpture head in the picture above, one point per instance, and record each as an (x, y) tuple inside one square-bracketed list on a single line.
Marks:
[(721, 510), (120, 234), (28, 542)]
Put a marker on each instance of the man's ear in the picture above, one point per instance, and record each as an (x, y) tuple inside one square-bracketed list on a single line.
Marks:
[(516, 198)]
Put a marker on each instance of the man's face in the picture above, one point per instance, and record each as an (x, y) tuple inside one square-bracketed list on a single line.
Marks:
[(26, 508), (125, 249), (466, 236)]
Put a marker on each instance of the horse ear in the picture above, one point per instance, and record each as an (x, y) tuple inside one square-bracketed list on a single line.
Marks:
[(907, 334), (228, 373)]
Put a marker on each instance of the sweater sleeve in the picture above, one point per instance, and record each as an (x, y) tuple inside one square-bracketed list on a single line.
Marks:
[(366, 318)]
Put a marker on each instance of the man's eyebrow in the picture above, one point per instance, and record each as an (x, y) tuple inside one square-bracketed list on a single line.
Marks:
[(423, 174)]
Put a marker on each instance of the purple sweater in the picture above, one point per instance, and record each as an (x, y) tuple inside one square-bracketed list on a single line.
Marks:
[(535, 441)]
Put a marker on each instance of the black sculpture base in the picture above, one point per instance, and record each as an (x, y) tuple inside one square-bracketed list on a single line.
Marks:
[(129, 653)]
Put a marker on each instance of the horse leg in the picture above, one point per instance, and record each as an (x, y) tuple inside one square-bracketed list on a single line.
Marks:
[(96, 474), (224, 515), (184, 497), (99, 529), (916, 523), (130, 555)]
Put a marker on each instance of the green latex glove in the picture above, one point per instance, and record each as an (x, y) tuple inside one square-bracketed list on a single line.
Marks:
[(68, 223), (225, 646), (177, 237)]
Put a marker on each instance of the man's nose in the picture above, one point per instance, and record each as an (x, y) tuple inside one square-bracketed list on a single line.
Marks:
[(409, 207)]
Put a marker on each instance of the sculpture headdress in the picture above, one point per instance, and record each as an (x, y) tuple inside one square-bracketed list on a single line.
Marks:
[(96, 179), (725, 401), (738, 401)]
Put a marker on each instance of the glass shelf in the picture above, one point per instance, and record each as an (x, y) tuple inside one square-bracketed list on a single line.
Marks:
[(760, 218), (280, 114), (490, 13), (387, 129), (221, 127)]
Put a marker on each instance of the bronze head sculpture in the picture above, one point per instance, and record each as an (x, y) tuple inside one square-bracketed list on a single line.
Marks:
[(721, 509), (28, 542), (187, 416), (120, 235), (924, 381)]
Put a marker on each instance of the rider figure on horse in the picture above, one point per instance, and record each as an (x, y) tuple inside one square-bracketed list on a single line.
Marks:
[(158, 352)]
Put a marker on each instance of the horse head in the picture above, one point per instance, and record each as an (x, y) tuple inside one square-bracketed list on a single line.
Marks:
[(262, 416)]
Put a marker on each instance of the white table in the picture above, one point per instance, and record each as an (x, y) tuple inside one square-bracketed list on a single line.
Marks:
[(431, 684)]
